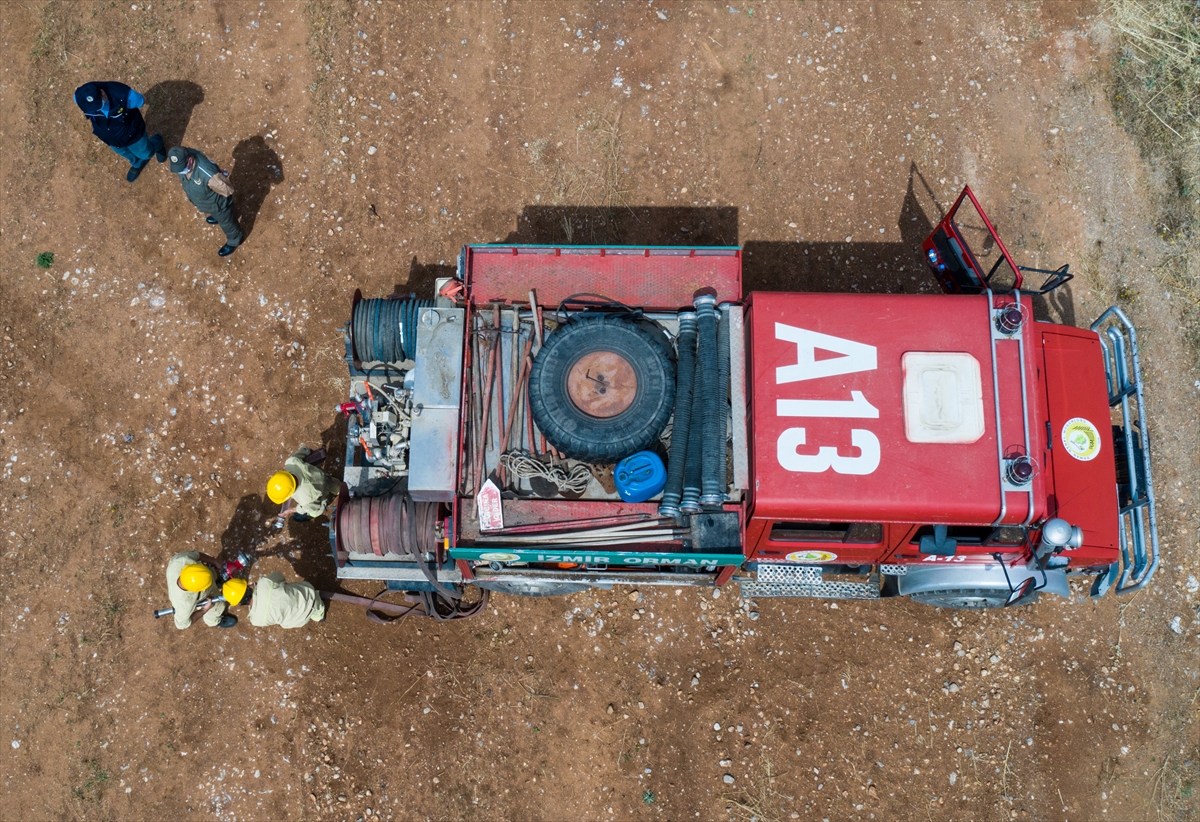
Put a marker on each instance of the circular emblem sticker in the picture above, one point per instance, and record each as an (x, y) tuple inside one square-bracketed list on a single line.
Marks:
[(1081, 439), (811, 556), (499, 556)]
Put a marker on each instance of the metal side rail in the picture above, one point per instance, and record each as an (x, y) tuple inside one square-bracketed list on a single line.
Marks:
[(779, 580), (1139, 517)]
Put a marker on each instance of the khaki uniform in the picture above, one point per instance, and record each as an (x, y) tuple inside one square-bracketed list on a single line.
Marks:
[(314, 488), (286, 604), (205, 185), (185, 601)]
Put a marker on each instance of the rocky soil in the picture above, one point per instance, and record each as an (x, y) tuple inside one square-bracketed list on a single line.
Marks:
[(148, 388)]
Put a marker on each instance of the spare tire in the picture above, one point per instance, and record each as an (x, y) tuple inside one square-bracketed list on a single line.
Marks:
[(603, 387)]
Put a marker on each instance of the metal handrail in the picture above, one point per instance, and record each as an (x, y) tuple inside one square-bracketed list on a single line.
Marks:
[(1123, 372)]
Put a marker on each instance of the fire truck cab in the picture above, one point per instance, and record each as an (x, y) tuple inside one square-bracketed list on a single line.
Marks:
[(945, 447)]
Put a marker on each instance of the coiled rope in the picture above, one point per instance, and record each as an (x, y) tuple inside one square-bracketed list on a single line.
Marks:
[(522, 464)]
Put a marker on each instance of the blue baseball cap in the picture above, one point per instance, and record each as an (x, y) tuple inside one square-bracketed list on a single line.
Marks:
[(90, 101)]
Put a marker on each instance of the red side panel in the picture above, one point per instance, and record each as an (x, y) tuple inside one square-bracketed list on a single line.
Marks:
[(1084, 492), (652, 278)]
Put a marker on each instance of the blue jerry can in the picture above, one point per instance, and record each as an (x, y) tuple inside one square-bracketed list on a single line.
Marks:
[(640, 476)]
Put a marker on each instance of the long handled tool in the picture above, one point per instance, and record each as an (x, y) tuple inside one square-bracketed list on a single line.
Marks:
[(200, 606), (538, 327), (488, 383), (518, 390)]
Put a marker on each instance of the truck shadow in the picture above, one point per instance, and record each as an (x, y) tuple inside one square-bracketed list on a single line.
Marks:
[(891, 267), (626, 225)]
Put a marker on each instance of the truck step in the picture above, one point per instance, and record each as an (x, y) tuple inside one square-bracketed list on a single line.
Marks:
[(776, 572), (779, 580)]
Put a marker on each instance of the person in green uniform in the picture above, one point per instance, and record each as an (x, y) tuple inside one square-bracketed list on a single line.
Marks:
[(191, 577), (286, 604), (207, 186), (305, 488)]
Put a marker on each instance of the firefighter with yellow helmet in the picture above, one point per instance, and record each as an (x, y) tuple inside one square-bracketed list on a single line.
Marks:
[(286, 604), (305, 488), (191, 577)]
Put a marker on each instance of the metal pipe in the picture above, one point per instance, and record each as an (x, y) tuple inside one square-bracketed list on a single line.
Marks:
[(599, 533), (541, 527), (648, 525), (685, 374), (668, 535)]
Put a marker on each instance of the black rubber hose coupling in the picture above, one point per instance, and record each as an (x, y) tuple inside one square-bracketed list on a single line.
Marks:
[(685, 373)]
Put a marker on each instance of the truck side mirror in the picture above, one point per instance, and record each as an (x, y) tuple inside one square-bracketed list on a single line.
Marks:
[(1023, 589)]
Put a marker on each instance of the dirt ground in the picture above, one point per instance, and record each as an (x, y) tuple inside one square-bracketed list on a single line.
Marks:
[(149, 387)]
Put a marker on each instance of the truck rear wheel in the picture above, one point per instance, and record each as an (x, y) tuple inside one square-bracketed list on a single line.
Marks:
[(967, 599), (532, 588)]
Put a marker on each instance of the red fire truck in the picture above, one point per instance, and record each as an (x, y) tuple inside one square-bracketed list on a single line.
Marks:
[(565, 417)]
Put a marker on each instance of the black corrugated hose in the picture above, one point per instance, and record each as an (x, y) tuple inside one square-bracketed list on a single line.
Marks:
[(685, 374), (716, 474), (713, 425), (692, 469)]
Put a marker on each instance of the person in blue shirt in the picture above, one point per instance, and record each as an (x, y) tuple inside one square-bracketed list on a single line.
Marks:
[(114, 111)]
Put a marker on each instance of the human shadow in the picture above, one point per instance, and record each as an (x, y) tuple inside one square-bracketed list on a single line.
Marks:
[(308, 548), (170, 105), (256, 167), (423, 277), (248, 527)]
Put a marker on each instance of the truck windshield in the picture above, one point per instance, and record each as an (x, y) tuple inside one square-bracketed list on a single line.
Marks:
[(863, 532), (975, 535)]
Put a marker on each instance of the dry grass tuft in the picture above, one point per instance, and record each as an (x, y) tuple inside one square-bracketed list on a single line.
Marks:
[(327, 20), (1157, 94)]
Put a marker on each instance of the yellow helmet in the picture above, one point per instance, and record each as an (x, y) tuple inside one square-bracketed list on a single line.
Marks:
[(195, 578), (280, 487), (234, 590)]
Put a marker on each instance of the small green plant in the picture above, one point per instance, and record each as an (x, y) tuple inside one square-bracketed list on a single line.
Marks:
[(45, 259), (93, 782), (648, 797)]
